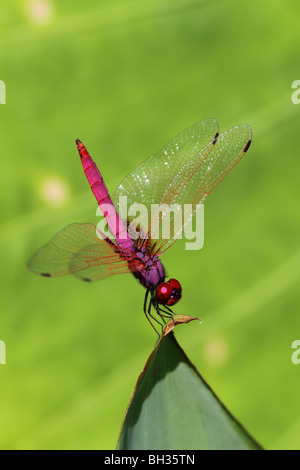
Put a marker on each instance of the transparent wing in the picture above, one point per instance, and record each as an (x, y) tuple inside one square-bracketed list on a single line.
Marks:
[(197, 178), (184, 172), (148, 182), (77, 250)]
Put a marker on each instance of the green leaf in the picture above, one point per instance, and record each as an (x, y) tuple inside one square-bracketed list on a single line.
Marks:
[(173, 408)]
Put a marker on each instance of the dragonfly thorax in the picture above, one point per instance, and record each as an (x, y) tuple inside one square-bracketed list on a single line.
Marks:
[(150, 271), (151, 274)]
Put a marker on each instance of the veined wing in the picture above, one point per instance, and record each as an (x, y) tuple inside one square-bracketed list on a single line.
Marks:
[(148, 183), (183, 172), (77, 250), (198, 177)]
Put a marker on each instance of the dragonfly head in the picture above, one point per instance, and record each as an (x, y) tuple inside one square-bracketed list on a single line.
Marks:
[(168, 293)]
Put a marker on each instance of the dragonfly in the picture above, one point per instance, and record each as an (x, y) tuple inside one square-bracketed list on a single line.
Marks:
[(185, 171)]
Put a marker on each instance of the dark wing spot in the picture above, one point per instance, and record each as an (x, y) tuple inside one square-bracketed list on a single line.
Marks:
[(86, 279), (215, 138), (247, 145), (46, 274)]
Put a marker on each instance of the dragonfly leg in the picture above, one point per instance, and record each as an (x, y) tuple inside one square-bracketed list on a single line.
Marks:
[(166, 313), (145, 301), (153, 318), (169, 313), (160, 311), (163, 313), (147, 312), (168, 308)]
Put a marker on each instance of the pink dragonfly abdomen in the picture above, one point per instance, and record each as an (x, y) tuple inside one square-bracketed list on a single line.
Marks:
[(151, 272), (103, 198)]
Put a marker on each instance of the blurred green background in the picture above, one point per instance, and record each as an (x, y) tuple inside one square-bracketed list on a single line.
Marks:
[(126, 77)]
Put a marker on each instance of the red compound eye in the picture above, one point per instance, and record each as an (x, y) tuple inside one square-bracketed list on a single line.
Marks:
[(175, 284), (173, 300), (163, 292)]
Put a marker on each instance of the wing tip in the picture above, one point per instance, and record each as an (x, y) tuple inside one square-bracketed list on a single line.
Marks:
[(247, 145)]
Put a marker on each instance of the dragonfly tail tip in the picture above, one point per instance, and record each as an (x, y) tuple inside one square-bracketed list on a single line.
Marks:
[(80, 146)]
